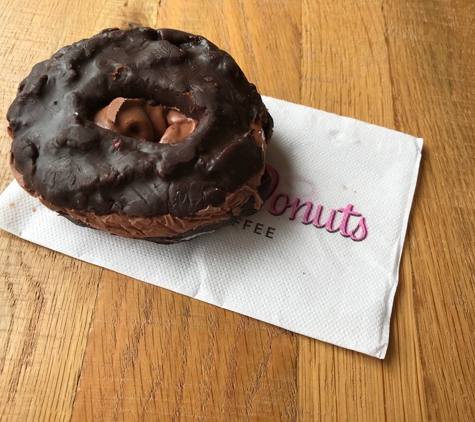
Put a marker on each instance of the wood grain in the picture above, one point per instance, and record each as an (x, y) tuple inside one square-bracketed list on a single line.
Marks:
[(81, 343), (47, 302), (156, 355), (441, 255)]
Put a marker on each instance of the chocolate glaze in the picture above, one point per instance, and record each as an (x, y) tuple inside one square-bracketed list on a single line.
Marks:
[(71, 162), (246, 209)]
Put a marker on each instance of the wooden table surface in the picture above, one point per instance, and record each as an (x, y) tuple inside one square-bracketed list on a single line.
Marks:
[(81, 343)]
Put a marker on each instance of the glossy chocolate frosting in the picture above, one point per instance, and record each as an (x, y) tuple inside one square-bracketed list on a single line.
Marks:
[(75, 164)]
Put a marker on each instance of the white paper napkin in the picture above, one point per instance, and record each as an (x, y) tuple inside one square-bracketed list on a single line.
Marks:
[(328, 269)]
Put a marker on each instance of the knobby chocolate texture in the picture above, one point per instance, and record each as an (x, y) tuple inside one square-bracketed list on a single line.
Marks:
[(73, 163)]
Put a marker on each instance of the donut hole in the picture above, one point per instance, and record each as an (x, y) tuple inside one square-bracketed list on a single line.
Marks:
[(134, 129), (141, 129), (137, 118)]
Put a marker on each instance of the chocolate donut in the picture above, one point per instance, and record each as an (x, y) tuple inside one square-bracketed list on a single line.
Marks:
[(143, 133)]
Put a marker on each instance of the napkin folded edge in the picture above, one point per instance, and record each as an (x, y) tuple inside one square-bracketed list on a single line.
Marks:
[(400, 247)]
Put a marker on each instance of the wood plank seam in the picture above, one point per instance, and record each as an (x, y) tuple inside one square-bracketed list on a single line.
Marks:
[(83, 361)]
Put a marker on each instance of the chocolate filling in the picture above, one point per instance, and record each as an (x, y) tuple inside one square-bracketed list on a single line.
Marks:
[(135, 118)]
